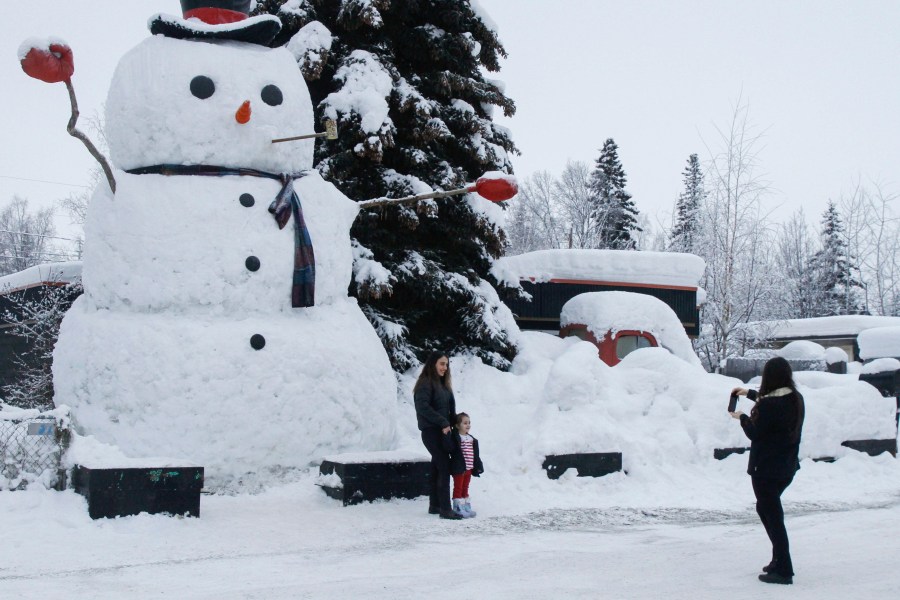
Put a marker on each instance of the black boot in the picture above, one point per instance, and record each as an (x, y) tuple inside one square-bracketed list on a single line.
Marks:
[(449, 514), (434, 510), (776, 578), (769, 568)]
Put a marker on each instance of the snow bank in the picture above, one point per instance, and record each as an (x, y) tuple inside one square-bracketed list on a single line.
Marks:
[(879, 342), (881, 365), (802, 350), (604, 312), (560, 398), (623, 266), (836, 355)]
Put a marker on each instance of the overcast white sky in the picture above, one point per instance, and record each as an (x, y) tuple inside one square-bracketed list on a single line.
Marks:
[(821, 79)]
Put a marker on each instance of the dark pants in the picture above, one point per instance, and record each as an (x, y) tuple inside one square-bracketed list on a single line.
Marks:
[(440, 468), (768, 505)]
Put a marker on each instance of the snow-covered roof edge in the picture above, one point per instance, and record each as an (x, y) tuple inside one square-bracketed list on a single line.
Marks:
[(673, 269), (841, 325), (62, 272)]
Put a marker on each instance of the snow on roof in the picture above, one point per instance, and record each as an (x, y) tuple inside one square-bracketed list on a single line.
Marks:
[(880, 342), (618, 311), (619, 266), (842, 325), (63, 272)]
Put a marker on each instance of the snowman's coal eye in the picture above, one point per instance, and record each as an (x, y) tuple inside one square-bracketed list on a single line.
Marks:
[(202, 87), (271, 95)]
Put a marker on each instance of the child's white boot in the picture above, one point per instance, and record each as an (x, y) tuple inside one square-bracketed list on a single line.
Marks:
[(467, 509), (457, 506)]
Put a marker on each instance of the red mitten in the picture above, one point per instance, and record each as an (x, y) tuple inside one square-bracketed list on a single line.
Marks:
[(51, 65)]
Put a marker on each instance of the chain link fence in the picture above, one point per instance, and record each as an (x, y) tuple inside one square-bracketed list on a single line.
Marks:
[(32, 444)]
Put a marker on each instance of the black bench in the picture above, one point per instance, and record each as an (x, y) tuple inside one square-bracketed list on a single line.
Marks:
[(119, 492), (355, 478), (588, 464), (870, 447)]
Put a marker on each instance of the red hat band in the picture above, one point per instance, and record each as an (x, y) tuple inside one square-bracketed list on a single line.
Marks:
[(215, 16)]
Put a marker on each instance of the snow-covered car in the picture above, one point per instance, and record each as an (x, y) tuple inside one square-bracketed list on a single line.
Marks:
[(619, 323)]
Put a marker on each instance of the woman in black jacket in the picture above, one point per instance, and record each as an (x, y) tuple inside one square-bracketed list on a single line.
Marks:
[(774, 427), (435, 411)]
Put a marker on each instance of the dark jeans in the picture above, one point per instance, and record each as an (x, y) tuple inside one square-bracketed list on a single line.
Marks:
[(768, 506), (440, 468)]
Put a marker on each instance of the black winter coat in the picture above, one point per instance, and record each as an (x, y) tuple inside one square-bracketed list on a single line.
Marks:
[(435, 406), (775, 435), (453, 445)]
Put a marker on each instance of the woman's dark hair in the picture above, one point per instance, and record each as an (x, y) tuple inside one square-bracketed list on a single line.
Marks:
[(777, 374), (429, 372)]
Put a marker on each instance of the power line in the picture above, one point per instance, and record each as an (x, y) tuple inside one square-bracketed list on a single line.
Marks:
[(41, 235), (45, 181)]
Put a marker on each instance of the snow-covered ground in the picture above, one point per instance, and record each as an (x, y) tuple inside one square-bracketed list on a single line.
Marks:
[(678, 534), (679, 524)]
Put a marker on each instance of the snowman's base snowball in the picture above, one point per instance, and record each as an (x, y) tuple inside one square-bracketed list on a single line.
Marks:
[(193, 387)]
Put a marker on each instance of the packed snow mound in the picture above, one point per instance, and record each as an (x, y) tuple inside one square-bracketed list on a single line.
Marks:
[(620, 266), (181, 243), (879, 342), (193, 388), (881, 365), (185, 342), (835, 355), (802, 350), (612, 312), (153, 118), (559, 398)]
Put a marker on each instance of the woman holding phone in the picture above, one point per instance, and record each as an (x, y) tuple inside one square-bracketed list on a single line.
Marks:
[(774, 427)]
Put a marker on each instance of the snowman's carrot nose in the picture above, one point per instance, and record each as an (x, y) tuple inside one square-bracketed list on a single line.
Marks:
[(242, 115)]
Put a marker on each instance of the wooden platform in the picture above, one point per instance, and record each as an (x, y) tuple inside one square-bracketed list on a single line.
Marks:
[(355, 478), (114, 492), (588, 464)]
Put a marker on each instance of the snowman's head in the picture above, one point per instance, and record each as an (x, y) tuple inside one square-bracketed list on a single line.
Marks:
[(217, 103)]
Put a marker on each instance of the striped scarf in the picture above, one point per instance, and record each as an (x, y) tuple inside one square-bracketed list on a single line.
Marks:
[(286, 203)]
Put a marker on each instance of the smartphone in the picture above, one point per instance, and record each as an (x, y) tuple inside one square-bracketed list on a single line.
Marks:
[(732, 403)]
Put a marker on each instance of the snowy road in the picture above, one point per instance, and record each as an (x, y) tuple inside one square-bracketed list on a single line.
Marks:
[(293, 542)]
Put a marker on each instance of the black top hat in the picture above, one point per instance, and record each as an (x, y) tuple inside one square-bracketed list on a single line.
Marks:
[(217, 20)]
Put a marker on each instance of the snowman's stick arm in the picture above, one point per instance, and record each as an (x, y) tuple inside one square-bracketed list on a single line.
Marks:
[(409, 199), (300, 137), (74, 132), (330, 132)]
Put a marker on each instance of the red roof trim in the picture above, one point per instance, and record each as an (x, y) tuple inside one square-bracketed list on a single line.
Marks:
[(622, 284)]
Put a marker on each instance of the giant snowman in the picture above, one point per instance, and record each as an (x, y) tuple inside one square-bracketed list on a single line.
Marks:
[(198, 335)]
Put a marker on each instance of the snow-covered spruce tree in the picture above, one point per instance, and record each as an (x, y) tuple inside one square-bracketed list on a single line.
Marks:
[(833, 279), (687, 209), (36, 318), (404, 80), (615, 215)]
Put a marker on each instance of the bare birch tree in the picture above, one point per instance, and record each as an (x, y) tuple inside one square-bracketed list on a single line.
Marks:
[(535, 221), (25, 236), (734, 240), (573, 191)]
